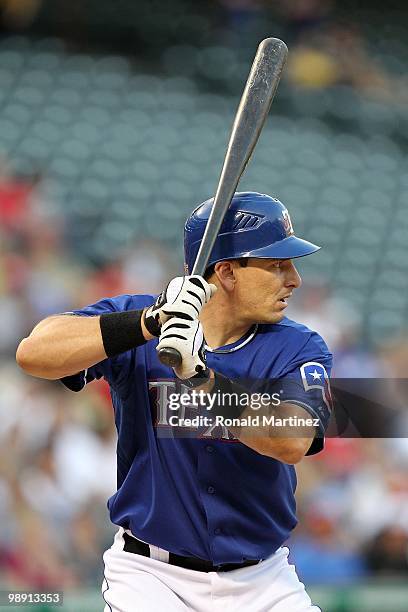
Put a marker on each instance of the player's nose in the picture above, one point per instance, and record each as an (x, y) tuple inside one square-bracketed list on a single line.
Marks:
[(293, 278)]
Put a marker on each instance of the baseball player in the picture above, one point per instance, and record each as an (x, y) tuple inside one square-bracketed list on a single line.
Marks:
[(203, 508)]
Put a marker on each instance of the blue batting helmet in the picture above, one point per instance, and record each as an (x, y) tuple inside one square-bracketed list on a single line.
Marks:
[(255, 225)]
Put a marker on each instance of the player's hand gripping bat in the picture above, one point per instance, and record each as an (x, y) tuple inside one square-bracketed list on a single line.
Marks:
[(252, 111)]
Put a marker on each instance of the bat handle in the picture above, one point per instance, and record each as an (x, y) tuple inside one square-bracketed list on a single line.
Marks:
[(170, 357)]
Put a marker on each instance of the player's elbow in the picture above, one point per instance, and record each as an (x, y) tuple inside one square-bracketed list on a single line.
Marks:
[(293, 454), (23, 355), (290, 451), (29, 359)]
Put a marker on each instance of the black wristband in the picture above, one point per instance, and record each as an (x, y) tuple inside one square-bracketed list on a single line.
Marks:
[(228, 392), (121, 331)]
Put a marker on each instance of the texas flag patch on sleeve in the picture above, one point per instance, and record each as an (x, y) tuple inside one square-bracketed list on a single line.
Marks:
[(315, 377)]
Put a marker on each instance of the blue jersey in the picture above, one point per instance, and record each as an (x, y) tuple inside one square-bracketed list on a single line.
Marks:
[(207, 496)]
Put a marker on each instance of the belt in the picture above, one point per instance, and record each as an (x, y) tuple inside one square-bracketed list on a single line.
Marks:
[(132, 545)]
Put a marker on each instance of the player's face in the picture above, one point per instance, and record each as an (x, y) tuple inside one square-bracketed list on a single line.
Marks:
[(264, 288)]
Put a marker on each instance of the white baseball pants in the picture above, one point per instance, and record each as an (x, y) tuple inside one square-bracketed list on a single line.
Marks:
[(133, 583)]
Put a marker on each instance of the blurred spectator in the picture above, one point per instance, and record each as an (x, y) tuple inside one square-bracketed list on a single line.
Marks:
[(19, 14), (386, 554), (86, 541), (304, 15), (312, 67), (394, 353), (33, 561), (339, 324), (242, 15), (321, 557), (15, 200), (338, 54)]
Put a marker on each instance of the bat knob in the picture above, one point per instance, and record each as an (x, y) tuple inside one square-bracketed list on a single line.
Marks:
[(170, 357)]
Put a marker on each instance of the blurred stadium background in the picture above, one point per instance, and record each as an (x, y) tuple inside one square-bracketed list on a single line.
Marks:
[(114, 118)]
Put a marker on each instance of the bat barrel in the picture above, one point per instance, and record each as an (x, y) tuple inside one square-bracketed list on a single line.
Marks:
[(249, 120)]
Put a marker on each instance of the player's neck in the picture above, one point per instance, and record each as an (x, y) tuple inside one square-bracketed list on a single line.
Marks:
[(221, 325)]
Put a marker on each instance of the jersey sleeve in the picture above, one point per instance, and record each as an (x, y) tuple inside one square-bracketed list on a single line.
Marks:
[(305, 383), (103, 369)]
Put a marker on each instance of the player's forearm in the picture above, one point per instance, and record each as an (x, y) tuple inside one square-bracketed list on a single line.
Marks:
[(287, 443), (64, 345), (288, 450), (61, 346)]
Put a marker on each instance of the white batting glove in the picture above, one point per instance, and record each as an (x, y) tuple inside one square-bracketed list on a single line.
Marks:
[(187, 338), (183, 297)]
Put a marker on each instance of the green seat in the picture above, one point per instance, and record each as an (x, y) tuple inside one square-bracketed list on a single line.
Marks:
[(103, 97), (381, 200), (167, 231), (29, 95), (179, 83), (180, 59), (158, 154), (7, 78), (75, 80), (75, 149), (313, 159), (323, 235), (354, 277), (36, 78), (181, 193), (105, 169), (109, 80), (141, 119), (113, 64), (12, 60), (46, 130), (37, 149), (64, 168), (384, 324), (9, 131), (210, 59), (305, 177), (84, 131), (129, 210), (403, 179), (135, 190), (340, 177), (347, 160), (93, 188), (392, 298), (58, 114), (79, 62), (145, 170), (186, 171), (66, 97), (48, 61), (95, 115)]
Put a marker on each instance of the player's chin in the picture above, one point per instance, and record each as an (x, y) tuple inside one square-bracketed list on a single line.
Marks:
[(274, 316)]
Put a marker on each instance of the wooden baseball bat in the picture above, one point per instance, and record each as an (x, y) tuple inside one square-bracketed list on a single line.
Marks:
[(250, 117)]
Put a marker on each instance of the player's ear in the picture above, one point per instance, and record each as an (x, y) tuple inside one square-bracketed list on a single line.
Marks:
[(225, 273)]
